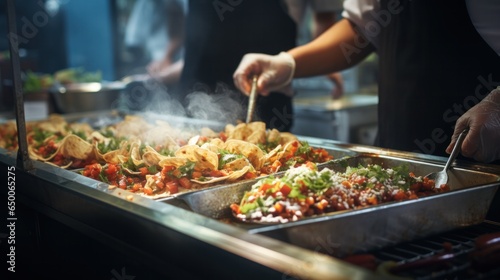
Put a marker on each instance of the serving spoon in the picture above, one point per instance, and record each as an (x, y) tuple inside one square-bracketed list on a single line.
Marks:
[(252, 99), (441, 177)]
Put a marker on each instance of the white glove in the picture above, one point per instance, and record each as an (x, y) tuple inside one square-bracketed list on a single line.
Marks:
[(275, 72), (482, 143)]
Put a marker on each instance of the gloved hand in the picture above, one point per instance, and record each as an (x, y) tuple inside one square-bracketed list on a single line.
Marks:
[(275, 72), (482, 143)]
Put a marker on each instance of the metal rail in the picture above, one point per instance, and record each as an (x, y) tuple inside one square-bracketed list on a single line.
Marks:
[(23, 159)]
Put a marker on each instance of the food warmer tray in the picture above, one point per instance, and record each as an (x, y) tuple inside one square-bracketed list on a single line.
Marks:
[(163, 234), (159, 235), (356, 231)]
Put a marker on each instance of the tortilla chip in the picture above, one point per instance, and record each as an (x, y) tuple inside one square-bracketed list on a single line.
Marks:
[(287, 137), (210, 147), (251, 151), (233, 176), (273, 136), (238, 174), (286, 150), (135, 153), (33, 153), (55, 123), (218, 142), (131, 125), (76, 147), (110, 156), (98, 137), (257, 126), (269, 157), (161, 135), (229, 129), (114, 156), (81, 127), (152, 157), (173, 161), (207, 132), (237, 164), (240, 132), (203, 158), (258, 136)]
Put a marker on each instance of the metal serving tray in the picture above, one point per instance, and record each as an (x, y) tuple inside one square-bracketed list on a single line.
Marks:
[(338, 153), (374, 227)]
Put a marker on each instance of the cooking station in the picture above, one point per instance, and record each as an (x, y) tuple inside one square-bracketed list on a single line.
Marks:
[(66, 225), (191, 235)]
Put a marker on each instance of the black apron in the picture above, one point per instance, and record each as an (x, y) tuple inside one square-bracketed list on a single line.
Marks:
[(433, 67), (219, 33)]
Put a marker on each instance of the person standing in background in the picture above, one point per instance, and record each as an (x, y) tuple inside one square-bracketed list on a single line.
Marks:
[(439, 71), (156, 29), (219, 33), (324, 15)]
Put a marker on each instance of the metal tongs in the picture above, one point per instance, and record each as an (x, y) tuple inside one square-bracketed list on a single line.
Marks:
[(252, 99)]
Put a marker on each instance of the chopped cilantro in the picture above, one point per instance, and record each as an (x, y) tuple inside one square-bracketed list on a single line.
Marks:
[(80, 134), (41, 135), (184, 170), (225, 157)]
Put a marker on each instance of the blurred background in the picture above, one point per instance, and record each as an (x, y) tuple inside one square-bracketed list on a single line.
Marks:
[(106, 40)]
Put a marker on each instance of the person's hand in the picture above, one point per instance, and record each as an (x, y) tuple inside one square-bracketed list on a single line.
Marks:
[(482, 143), (274, 71), (338, 82)]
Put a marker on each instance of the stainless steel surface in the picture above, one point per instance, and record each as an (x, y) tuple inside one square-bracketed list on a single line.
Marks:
[(373, 227), (252, 99), (326, 103), (160, 232), (86, 97), (441, 177), (350, 119)]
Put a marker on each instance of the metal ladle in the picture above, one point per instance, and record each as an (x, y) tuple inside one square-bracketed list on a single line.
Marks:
[(441, 177)]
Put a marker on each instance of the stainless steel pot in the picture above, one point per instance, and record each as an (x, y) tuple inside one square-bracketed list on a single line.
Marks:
[(86, 97)]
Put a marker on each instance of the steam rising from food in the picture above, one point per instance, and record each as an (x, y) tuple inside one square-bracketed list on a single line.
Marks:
[(224, 105), (217, 107)]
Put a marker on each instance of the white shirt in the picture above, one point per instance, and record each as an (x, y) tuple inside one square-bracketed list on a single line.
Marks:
[(484, 14)]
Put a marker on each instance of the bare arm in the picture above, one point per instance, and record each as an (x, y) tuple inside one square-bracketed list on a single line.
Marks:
[(338, 48)]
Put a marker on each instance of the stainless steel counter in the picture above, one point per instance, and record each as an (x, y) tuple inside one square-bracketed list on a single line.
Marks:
[(350, 119), (164, 235)]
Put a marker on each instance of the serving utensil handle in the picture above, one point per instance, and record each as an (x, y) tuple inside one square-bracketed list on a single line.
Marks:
[(252, 100), (456, 148)]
